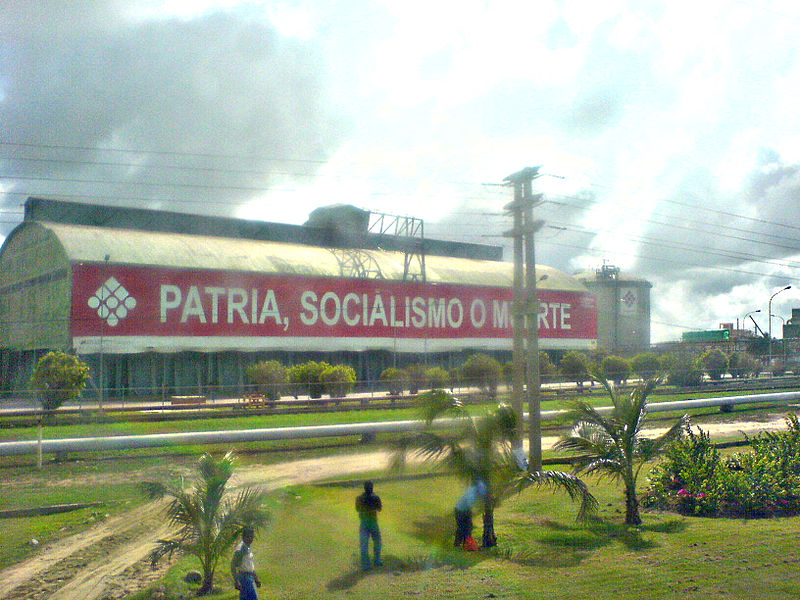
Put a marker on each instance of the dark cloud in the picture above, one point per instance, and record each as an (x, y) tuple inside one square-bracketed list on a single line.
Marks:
[(224, 99), (715, 241)]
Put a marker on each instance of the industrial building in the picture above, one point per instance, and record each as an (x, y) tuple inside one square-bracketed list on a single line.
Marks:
[(178, 303), (623, 309)]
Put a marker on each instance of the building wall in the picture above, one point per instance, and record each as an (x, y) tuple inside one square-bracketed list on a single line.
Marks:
[(623, 314), (35, 291), (41, 262)]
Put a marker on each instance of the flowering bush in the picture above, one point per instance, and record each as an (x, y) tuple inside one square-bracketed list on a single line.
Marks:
[(694, 479)]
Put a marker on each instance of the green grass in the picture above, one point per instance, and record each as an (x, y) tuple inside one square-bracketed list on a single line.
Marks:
[(310, 551)]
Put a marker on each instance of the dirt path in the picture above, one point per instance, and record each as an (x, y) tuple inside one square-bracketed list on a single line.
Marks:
[(109, 561)]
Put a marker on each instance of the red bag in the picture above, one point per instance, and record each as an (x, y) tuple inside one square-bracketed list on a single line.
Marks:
[(470, 545)]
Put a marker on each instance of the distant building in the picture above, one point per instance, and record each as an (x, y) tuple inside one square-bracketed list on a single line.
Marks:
[(623, 309), (791, 328)]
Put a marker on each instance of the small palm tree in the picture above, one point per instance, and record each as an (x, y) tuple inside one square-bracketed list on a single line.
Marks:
[(614, 444), (481, 448), (208, 521)]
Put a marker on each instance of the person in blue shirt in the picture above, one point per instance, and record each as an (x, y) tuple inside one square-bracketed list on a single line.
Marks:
[(476, 491), (368, 505)]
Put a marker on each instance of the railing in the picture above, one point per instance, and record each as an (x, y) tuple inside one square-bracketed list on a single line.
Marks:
[(128, 442)]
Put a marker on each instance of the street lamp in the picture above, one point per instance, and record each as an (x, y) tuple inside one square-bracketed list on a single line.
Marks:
[(769, 312), (783, 341), (752, 312)]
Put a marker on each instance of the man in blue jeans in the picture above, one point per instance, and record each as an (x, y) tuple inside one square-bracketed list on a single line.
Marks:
[(243, 568), (368, 505)]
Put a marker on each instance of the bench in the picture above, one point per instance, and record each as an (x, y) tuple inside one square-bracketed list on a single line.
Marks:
[(257, 401)]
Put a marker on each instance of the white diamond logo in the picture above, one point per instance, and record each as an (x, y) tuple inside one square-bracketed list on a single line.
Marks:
[(112, 302)]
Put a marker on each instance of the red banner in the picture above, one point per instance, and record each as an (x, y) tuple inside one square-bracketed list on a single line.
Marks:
[(118, 300)]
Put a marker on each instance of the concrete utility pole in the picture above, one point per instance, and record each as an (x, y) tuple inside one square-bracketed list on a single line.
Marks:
[(526, 310)]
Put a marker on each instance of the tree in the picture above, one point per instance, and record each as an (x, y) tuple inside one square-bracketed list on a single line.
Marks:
[(306, 377), (714, 362), (395, 379), (483, 371), (481, 448), (615, 368), (436, 377), (415, 376), (546, 368), (682, 370), (269, 376), (613, 444), (575, 367), (208, 520), (59, 377), (646, 365), (742, 365), (338, 380)]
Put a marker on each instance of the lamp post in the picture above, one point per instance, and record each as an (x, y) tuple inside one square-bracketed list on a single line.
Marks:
[(769, 312)]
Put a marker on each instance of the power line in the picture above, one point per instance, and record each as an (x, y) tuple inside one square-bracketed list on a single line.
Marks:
[(161, 152)]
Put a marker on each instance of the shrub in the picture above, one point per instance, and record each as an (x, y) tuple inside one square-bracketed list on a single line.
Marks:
[(575, 367), (338, 380), (615, 368), (415, 375), (395, 379), (683, 371), (695, 479), (306, 378), (436, 378), (778, 368), (742, 364), (59, 377), (483, 371), (714, 363), (269, 377), (646, 365), (546, 368)]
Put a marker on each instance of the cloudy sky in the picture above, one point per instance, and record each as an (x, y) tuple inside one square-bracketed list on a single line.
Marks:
[(668, 132)]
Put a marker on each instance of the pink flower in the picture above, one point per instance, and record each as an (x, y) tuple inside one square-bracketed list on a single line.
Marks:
[(700, 496), (684, 493)]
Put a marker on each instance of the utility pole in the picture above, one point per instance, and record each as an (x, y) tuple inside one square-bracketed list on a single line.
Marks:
[(526, 309), (518, 309)]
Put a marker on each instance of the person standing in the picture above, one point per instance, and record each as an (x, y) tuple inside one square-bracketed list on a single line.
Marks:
[(243, 568), (475, 491), (368, 505)]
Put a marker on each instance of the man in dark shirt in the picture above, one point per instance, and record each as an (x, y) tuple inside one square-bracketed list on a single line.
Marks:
[(368, 505)]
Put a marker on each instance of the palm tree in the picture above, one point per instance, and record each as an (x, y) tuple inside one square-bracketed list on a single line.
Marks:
[(481, 448), (613, 444), (208, 521)]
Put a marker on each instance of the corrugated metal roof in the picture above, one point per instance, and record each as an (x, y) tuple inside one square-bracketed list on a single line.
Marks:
[(126, 246)]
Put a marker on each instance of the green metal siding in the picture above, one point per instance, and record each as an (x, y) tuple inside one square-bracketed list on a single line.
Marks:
[(35, 291)]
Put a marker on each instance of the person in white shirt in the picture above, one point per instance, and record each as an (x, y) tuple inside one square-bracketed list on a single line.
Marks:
[(243, 568)]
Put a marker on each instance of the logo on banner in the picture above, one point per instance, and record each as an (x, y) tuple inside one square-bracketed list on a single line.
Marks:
[(112, 302)]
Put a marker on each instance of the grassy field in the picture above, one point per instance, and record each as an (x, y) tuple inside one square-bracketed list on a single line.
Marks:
[(111, 478), (310, 551)]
